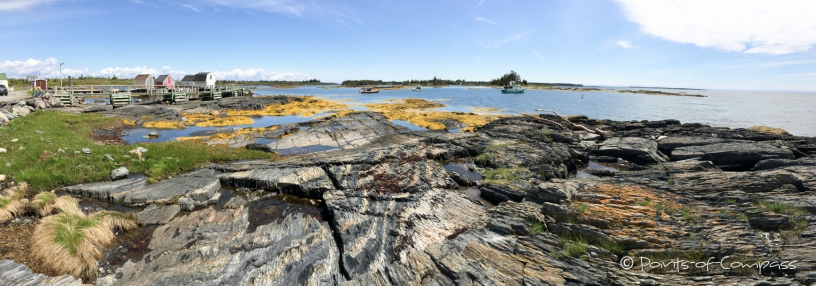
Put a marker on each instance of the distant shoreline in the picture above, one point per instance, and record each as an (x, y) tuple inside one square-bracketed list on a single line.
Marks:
[(657, 87)]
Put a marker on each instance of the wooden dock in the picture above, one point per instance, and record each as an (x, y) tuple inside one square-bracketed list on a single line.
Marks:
[(123, 95)]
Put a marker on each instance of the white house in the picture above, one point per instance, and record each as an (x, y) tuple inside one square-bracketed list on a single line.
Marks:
[(143, 81), (199, 79)]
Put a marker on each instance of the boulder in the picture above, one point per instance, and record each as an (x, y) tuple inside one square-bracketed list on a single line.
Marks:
[(119, 173), (348, 131), (259, 147), (768, 164), (637, 150), (737, 155), (20, 111), (555, 191), (497, 194)]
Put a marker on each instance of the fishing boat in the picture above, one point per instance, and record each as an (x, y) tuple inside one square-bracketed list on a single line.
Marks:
[(369, 90), (418, 88), (513, 87)]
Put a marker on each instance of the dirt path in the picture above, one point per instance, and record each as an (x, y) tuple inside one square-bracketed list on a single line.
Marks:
[(14, 95)]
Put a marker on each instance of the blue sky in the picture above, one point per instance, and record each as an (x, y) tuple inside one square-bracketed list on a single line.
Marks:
[(728, 44)]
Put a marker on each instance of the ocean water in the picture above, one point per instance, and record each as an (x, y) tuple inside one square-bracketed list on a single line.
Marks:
[(792, 111)]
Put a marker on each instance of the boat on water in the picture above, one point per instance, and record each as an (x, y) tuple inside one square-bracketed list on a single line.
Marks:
[(418, 88), (369, 90), (513, 87)]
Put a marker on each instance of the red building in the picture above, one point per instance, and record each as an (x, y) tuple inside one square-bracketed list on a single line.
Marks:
[(165, 81)]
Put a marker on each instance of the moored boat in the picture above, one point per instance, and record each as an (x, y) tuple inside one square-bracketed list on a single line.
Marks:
[(418, 88), (513, 87), (369, 90)]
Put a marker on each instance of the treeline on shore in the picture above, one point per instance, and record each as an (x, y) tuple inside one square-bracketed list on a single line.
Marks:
[(504, 80)]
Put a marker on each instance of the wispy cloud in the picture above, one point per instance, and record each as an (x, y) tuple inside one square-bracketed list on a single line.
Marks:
[(140, 2), (765, 64), (191, 7), (478, 18), (478, 4), (626, 45), (10, 5), (749, 26), (516, 37), (537, 55)]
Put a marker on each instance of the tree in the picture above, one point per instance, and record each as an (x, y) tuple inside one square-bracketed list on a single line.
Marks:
[(507, 78)]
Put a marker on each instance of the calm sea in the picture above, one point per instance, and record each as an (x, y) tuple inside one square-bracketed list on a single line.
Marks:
[(792, 111)]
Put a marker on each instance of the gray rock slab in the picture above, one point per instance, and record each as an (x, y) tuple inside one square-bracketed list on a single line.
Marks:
[(158, 214), (210, 247), (349, 131), (108, 191), (305, 182), (734, 155), (167, 191), (670, 143), (13, 273), (633, 149)]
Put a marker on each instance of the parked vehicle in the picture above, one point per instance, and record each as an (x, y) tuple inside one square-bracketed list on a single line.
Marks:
[(3, 90)]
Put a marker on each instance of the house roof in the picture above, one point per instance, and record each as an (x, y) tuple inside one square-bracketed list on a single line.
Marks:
[(202, 76), (188, 78), (31, 77), (162, 78), (3, 76), (141, 77)]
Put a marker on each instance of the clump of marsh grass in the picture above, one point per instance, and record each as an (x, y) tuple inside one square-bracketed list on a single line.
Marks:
[(71, 241), (13, 202)]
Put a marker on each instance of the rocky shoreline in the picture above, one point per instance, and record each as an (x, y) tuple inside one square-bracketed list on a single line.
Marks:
[(521, 201), (642, 91)]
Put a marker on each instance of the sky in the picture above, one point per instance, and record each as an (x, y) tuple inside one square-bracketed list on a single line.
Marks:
[(724, 44)]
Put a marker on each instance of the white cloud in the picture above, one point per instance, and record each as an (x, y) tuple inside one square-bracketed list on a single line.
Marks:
[(8, 5), (750, 26), (479, 4), (260, 74), (626, 45), (484, 20), (50, 69)]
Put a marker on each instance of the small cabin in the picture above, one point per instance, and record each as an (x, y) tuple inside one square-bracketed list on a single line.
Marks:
[(32, 80), (41, 83), (4, 79), (143, 81), (165, 81), (199, 79)]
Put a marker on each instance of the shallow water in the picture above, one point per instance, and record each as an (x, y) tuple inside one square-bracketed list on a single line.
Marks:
[(792, 111), (137, 135)]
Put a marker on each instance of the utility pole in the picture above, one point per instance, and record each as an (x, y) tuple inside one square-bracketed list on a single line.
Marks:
[(61, 74)]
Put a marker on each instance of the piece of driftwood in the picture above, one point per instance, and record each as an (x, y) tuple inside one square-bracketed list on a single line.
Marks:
[(569, 123)]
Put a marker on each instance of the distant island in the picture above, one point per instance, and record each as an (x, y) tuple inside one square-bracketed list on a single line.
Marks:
[(680, 88)]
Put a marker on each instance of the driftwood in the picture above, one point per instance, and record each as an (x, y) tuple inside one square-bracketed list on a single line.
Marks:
[(571, 125)]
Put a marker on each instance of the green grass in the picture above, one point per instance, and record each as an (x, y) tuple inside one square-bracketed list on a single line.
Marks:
[(44, 198), (688, 213), (730, 201), (501, 175), (574, 245), (671, 181), (644, 203), (41, 165), (612, 246), (497, 146), (580, 207), (538, 227), (68, 231)]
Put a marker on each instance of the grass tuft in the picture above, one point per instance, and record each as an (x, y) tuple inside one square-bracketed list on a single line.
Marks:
[(71, 242)]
